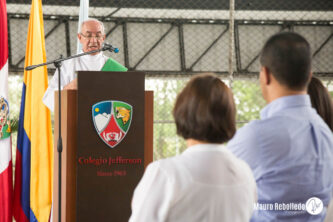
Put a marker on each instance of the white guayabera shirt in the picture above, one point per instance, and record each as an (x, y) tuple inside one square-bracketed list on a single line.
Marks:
[(206, 183), (68, 73)]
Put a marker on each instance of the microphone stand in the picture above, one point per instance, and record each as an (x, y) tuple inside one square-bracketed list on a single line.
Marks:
[(57, 64)]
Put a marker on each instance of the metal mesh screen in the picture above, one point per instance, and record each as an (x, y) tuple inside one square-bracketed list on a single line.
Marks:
[(172, 40)]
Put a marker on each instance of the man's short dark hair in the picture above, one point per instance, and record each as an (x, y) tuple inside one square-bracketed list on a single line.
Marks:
[(287, 56), (205, 110)]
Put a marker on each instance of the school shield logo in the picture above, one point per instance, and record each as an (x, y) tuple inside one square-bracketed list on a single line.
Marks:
[(112, 120)]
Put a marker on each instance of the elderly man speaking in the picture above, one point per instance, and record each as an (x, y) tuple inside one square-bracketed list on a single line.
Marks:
[(91, 37)]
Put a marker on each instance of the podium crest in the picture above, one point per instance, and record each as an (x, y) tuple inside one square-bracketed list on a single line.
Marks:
[(112, 120)]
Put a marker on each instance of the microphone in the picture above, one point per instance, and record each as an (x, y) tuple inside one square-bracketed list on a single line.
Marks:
[(109, 47), (28, 68)]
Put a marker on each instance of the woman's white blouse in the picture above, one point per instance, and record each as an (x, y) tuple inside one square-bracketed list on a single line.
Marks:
[(205, 183)]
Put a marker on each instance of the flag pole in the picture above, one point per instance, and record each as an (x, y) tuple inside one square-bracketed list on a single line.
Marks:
[(83, 15), (59, 143)]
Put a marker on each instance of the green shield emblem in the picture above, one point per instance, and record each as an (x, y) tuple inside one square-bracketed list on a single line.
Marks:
[(123, 113)]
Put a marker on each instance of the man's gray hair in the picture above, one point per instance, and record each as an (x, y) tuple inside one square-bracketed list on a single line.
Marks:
[(93, 19)]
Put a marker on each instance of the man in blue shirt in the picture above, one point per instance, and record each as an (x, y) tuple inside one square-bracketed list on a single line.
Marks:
[(290, 149)]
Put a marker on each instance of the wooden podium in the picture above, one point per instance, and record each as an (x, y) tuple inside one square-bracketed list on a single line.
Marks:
[(100, 165)]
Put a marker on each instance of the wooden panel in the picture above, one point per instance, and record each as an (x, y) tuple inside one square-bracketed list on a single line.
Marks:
[(149, 126), (110, 157), (68, 170), (69, 125)]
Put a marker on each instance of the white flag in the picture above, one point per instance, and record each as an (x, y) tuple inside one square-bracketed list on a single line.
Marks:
[(84, 14)]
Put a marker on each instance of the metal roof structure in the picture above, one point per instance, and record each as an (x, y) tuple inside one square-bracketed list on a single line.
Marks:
[(166, 40)]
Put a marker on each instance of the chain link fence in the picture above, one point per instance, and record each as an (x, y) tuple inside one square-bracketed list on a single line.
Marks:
[(175, 39)]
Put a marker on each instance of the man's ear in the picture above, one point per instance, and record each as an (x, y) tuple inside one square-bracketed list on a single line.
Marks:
[(79, 36), (266, 75)]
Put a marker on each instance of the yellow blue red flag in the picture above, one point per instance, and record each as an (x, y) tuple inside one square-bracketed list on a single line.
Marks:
[(34, 158)]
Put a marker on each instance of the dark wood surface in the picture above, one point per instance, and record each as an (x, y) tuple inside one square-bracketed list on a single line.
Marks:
[(68, 170), (108, 198), (69, 164), (149, 126)]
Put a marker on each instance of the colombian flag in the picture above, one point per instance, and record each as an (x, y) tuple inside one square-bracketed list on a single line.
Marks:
[(6, 177), (34, 158)]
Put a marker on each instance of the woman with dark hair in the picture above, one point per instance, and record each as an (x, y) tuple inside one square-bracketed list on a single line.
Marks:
[(321, 100), (206, 182)]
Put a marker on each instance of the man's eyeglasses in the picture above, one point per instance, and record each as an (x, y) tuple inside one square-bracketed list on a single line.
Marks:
[(90, 37)]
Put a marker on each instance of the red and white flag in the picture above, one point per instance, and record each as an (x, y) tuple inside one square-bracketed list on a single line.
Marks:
[(6, 178)]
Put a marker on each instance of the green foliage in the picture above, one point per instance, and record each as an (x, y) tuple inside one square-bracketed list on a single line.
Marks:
[(14, 124), (15, 83), (248, 99), (167, 143)]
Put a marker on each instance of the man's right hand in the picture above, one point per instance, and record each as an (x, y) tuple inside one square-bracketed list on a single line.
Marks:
[(71, 85)]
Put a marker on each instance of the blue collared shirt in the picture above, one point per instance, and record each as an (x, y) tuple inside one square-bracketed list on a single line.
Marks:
[(290, 151)]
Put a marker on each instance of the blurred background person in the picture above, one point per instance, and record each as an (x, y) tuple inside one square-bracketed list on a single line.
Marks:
[(206, 182), (321, 100)]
